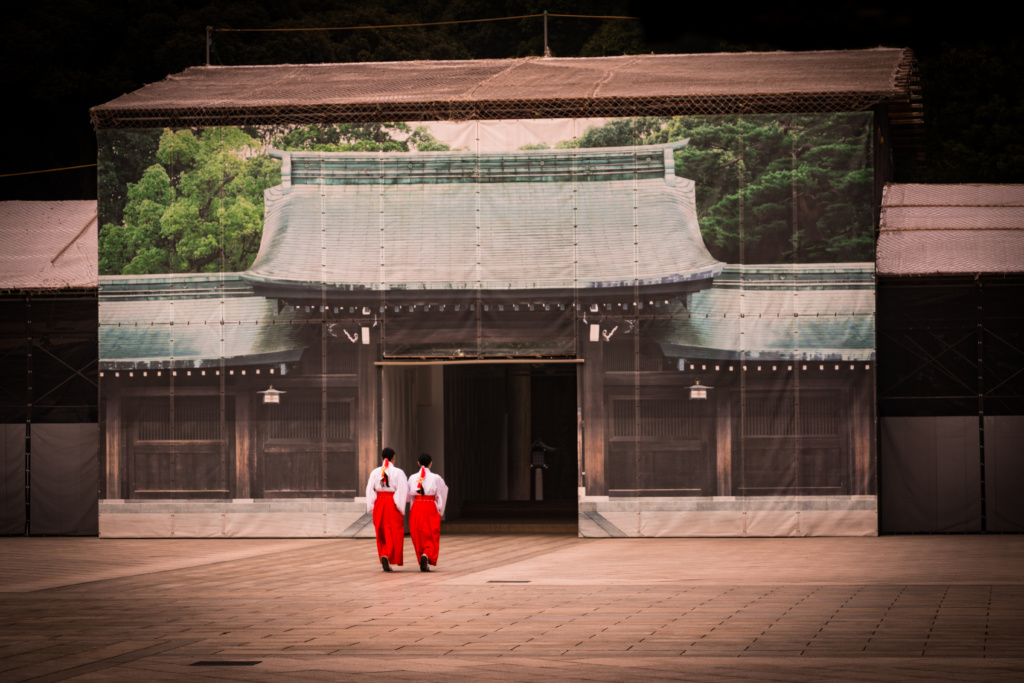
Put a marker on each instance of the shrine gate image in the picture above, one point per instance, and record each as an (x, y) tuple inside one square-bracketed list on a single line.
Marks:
[(660, 325)]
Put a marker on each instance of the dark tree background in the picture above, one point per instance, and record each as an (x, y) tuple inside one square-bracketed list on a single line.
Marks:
[(61, 57)]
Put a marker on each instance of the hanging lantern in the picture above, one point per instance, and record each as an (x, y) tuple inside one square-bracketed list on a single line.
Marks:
[(699, 392), (271, 395)]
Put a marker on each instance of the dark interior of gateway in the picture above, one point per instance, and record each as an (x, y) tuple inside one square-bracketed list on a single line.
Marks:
[(510, 439)]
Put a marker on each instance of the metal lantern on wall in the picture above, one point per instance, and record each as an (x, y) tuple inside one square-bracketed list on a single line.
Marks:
[(699, 392), (271, 395)]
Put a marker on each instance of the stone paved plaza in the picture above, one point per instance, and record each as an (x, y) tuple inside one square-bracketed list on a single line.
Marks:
[(514, 608)]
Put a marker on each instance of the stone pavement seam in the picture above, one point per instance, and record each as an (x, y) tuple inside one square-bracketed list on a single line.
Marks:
[(109, 662)]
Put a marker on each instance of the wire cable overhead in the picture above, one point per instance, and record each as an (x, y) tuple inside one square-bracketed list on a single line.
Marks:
[(210, 30)]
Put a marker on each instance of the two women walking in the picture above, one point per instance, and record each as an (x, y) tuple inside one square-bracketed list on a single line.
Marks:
[(387, 492)]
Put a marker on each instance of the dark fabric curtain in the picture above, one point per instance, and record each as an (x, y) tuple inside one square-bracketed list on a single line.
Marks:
[(65, 462), (930, 474), (12, 485)]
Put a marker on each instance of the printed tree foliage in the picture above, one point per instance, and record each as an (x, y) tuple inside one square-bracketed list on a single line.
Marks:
[(795, 187), (792, 187), (770, 189), (367, 137), (616, 133), (199, 209)]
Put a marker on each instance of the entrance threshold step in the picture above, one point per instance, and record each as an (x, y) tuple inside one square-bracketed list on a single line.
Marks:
[(539, 510), (496, 526)]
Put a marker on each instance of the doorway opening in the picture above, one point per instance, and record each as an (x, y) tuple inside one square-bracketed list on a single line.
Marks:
[(503, 435)]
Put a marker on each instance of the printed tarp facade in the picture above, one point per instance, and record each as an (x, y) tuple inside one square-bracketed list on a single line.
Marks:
[(669, 321)]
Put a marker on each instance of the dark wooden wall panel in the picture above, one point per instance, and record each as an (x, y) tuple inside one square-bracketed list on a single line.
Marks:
[(295, 469), (179, 446), (791, 448), (663, 444), (307, 445), (176, 469)]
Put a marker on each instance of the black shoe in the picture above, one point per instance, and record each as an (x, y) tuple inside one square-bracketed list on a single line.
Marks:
[(424, 563), (384, 563)]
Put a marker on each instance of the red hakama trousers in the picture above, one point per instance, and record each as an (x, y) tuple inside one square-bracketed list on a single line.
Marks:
[(425, 528), (389, 527)]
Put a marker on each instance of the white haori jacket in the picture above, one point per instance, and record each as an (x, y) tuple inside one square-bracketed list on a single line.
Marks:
[(433, 485), (396, 483)]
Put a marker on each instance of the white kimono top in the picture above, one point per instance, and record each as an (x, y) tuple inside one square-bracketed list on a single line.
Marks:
[(433, 485), (396, 482)]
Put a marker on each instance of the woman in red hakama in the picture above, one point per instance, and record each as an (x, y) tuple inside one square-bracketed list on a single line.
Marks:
[(386, 493), (429, 494)]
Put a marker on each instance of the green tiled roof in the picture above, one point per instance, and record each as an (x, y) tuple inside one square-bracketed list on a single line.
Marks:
[(785, 312), (441, 221), (191, 321)]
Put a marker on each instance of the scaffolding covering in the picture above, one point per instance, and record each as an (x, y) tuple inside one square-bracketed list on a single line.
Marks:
[(48, 406), (951, 229), (527, 88)]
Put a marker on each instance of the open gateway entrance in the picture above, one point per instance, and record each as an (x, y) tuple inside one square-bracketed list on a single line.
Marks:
[(504, 435)]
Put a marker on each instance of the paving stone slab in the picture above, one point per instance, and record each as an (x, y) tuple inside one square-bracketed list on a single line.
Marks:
[(888, 608)]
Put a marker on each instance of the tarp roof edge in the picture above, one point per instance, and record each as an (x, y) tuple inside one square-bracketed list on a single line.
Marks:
[(48, 245), (962, 229), (490, 89)]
